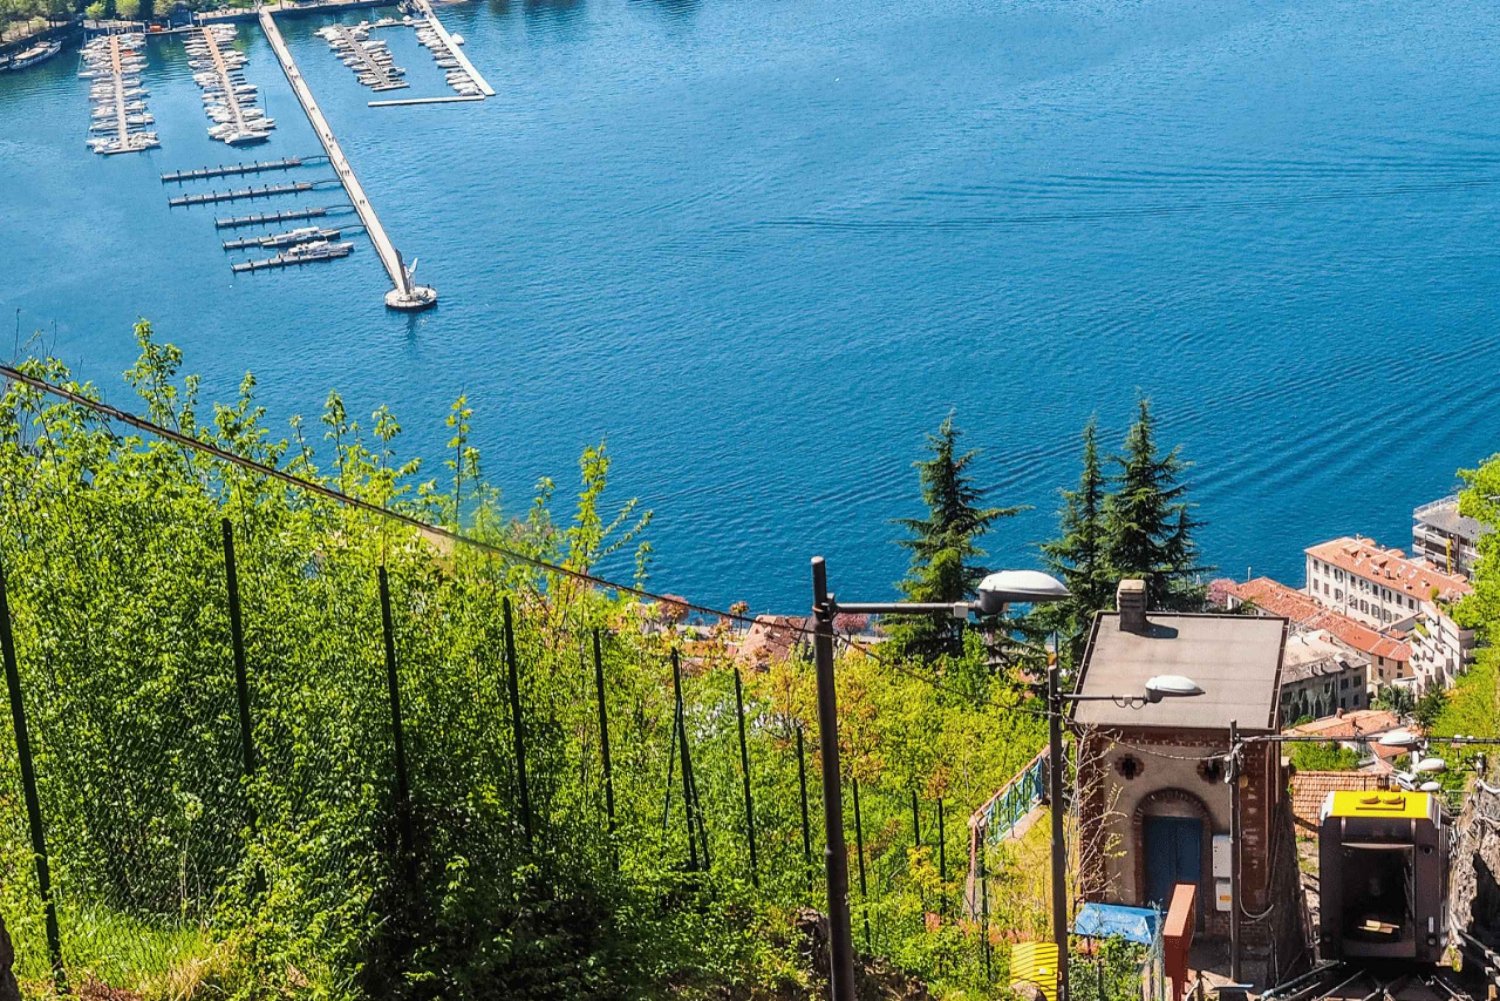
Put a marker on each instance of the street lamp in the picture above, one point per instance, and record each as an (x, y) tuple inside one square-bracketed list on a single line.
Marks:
[(1162, 686), (996, 591)]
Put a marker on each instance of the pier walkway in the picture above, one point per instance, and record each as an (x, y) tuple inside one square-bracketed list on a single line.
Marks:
[(226, 79), (125, 141), (403, 294), (454, 49)]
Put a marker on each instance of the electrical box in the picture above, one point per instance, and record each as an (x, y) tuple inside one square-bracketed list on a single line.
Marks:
[(1223, 898), (1223, 856)]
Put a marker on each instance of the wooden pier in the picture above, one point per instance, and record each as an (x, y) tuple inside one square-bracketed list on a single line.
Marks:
[(454, 49), (268, 191), (231, 170), (404, 294), (261, 218)]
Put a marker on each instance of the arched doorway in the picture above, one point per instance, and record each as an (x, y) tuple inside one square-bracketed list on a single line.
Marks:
[(1173, 844)]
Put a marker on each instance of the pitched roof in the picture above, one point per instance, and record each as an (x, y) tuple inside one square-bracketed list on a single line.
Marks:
[(1315, 654), (1358, 723), (1310, 789), (771, 638), (1388, 567), (1235, 659), (1275, 598)]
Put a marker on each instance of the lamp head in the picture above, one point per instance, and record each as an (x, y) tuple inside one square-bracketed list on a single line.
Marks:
[(1171, 686), (1018, 587), (1399, 738)]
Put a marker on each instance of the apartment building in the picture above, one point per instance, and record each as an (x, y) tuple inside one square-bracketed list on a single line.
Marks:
[(1385, 589), (1445, 538)]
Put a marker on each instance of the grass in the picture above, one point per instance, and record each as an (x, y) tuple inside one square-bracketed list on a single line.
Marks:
[(153, 960)]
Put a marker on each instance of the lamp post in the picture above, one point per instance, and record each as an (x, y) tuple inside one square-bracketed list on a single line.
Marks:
[(1165, 686), (995, 592)]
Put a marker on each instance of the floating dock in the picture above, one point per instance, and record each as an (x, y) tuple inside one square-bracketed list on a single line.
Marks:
[(261, 218), (231, 170), (283, 239), (228, 101), (443, 45), (325, 252), (404, 294), (268, 191), (109, 59), (401, 102), (371, 61)]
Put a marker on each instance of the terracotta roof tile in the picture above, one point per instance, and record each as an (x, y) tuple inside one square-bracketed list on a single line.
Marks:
[(1275, 598), (1310, 789), (1389, 567)]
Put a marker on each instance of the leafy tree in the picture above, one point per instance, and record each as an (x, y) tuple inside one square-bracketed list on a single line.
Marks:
[(1077, 556), (1325, 757), (128, 10), (1148, 522), (1429, 707), (95, 11), (1397, 699), (944, 545)]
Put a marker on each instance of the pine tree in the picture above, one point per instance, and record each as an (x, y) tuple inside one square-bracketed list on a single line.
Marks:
[(1078, 555), (1148, 523), (944, 546)]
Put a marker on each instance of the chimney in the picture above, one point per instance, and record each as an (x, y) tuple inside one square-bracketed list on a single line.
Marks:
[(1130, 599)]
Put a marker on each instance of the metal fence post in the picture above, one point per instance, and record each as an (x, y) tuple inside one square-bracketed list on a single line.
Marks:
[(609, 782), (398, 733), (806, 828), (237, 638), (517, 723), (680, 728), (739, 704), (28, 787), (859, 846)]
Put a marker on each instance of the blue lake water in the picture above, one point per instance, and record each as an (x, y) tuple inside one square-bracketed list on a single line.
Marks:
[(763, 246)]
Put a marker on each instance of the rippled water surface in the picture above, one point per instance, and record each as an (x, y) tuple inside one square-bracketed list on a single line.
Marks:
[(763, 245)]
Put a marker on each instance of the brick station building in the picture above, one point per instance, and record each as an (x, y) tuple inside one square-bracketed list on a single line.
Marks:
[(1154, 806)]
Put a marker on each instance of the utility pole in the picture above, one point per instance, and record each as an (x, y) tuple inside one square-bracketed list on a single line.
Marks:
[(1056, 769), (1234, 850), (835, 852)]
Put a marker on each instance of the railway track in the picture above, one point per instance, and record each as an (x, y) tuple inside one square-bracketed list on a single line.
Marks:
[(1354, 982)]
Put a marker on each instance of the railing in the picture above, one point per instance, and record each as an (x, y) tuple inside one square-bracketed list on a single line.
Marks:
[(1018, 797)]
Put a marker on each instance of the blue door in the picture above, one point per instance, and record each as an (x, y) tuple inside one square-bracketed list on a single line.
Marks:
[(1174, 854)]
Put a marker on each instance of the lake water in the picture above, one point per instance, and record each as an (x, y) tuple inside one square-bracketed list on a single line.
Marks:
[(762, 246)]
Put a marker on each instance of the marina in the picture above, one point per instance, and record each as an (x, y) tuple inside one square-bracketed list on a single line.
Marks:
[(404, 293), (446, 49), (370, 60), (268, 191), (228, 100), (302, 253), (231, 170), (120, 122)]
